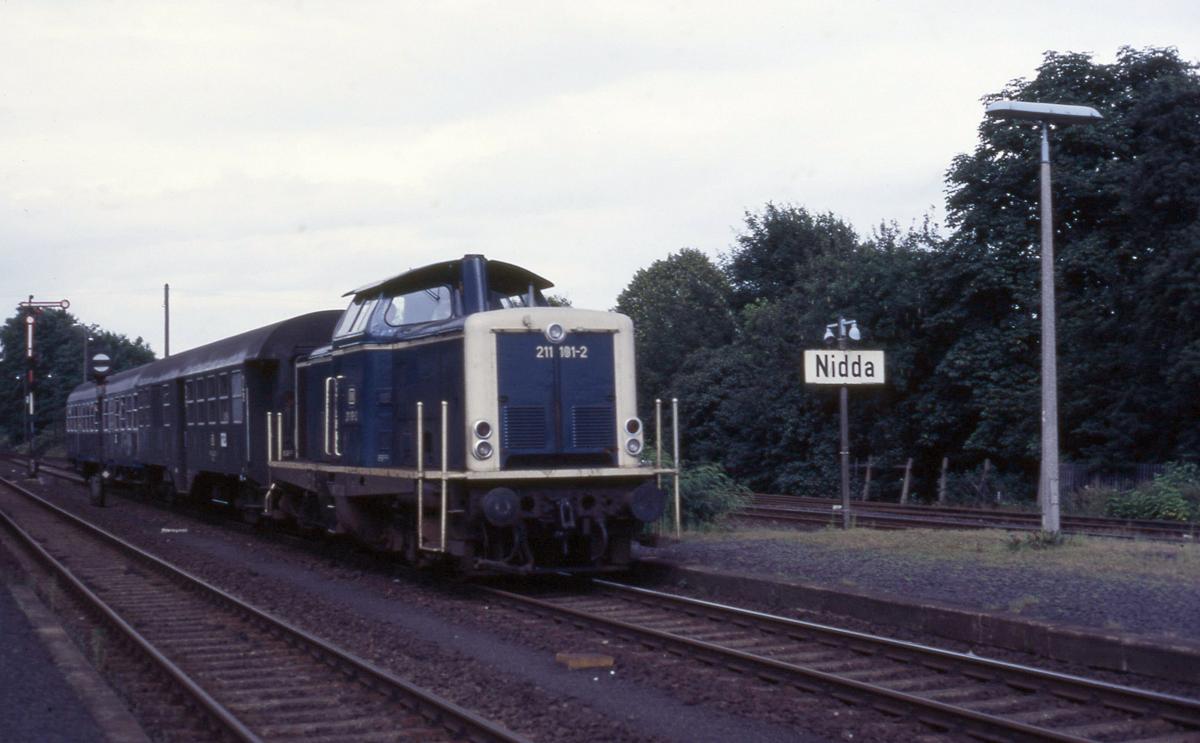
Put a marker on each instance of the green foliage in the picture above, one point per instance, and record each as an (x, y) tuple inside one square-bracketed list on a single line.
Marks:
[(679, 305), (706, 489), (58, 366), (708, 494), (1171, 496), (1127, 243)]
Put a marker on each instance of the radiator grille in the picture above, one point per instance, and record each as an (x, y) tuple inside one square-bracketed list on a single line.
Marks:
[(592, 427), (524, 427)]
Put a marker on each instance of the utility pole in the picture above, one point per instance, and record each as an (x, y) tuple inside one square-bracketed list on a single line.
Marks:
[(166, 320)]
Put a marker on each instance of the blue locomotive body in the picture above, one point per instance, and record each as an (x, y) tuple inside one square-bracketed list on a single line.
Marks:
[(447, 413)]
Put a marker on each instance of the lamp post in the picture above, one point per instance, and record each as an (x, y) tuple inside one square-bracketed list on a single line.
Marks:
[(1045, 114), (839, 332), (87, 338)]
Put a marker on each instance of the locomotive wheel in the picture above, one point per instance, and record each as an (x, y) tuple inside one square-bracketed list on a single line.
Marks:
[(96, 490)]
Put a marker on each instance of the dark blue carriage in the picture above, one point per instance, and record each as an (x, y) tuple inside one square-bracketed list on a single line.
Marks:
[(203, 421)]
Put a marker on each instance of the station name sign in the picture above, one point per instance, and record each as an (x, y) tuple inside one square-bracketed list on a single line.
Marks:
[(828, 366)]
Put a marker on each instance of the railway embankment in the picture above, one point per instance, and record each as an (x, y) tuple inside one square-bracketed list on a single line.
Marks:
[(1121, 605)]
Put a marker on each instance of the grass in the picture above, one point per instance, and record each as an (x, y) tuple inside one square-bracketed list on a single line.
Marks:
[(1093, 556)]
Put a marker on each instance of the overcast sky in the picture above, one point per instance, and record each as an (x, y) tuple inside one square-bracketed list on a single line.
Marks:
[(264, 158)]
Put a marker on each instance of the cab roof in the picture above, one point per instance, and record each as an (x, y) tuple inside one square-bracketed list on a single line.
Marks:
[(450, 272)]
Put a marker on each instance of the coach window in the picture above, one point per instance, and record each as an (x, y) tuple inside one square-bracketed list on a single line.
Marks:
[(210, 385), (235, 394), (223, 394), (166, 405), (189, 405), (423, 305)]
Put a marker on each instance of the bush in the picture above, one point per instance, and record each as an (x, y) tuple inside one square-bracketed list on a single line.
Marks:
[(709, 493), (1172, 496)]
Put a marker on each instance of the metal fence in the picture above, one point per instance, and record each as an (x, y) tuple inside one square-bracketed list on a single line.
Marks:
[(1072, 477)]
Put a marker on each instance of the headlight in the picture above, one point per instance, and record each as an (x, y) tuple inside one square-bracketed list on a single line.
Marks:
[(634, 446), (632, 426), (483, 450), (483, 429), (555, 333)]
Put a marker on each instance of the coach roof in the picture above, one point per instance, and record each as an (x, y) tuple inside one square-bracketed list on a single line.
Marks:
[(278, 340)]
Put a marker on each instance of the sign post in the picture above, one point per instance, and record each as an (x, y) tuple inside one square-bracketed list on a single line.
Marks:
[(101, 366), (843, 367)]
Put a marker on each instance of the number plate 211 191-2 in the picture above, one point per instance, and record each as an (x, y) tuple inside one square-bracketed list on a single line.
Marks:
[(562, 352)]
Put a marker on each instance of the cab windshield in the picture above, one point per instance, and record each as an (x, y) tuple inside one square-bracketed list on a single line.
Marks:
[(423, 305), (507, 297)]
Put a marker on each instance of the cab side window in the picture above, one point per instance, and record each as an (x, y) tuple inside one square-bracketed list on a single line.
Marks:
[(354, 319)]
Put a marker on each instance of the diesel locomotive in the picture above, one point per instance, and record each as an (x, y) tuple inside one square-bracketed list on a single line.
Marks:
[(449, 413)]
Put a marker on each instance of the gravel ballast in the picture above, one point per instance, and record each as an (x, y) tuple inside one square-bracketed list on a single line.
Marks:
[(1103, 584)]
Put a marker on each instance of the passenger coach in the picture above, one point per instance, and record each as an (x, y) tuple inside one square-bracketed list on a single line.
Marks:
[(194, 422)]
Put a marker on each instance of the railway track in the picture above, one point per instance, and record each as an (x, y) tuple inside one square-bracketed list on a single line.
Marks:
[(823, 512), (250, 676), (954, 693)]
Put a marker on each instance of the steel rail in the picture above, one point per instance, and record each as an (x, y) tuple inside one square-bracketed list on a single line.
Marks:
[(788, 501), (456, 720), (898, 516), (222, 716), (1174, 710)]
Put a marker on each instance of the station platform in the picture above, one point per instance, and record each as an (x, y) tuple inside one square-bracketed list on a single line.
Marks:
[(48, 691)]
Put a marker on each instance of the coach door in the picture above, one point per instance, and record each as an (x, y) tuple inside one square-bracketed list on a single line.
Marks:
[(175, 433)]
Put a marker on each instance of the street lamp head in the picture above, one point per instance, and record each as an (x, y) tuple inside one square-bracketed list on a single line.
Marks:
[(828, 334), (1050, 113), (854, 334)]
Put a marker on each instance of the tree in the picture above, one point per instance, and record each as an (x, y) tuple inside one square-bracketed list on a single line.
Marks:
[(746, 404), (58, 365), (779, 247), (1126, 200), (678, 305)]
